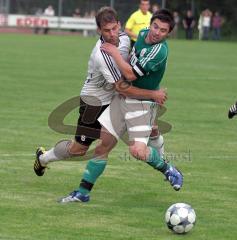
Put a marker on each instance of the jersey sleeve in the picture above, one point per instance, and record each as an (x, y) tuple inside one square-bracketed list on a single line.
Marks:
[(108, 68), (124, 47), (150, 60)]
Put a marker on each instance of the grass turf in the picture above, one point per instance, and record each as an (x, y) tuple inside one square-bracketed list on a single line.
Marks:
[(129, 201)]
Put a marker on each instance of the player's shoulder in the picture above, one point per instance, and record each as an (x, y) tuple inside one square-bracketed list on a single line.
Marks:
[(136, 14), (149, 14), (160, 49), (97, 53), (143, 33), (99, 42), (124, 44), (164, 47), (162, 44), (124, 37)]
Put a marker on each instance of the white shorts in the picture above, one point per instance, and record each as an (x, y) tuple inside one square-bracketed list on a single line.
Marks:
[(131, 115)]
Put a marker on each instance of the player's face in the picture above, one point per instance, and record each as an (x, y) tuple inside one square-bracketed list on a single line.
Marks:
[(110, 32), (158, 31), (144, 6)]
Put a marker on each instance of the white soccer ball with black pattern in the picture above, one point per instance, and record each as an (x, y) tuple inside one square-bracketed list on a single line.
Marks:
[(180, 218)]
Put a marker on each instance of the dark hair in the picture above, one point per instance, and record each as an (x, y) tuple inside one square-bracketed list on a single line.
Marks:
[(106, 15), (164, 15)]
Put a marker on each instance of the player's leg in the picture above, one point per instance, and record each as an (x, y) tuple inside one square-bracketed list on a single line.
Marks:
[(94, 168), (139, 130), (96, 165), (88, 130), (141, 151), (63, 150), (156, 140)]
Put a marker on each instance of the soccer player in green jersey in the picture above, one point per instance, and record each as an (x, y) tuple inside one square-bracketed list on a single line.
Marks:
[(145, 70)]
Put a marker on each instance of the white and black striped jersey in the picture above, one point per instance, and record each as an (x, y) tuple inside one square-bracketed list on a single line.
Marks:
[(103, 73)]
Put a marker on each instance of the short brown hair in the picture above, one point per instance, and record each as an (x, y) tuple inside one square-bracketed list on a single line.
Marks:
[(164, 15), (106, 15)]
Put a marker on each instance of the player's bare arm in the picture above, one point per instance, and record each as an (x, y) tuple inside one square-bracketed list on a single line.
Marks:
[(130, 33), (123, 66), (126, 89)]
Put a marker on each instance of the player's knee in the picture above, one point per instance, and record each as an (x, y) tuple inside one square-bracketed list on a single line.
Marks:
[(102, 150), (77, 149), (137, 152)]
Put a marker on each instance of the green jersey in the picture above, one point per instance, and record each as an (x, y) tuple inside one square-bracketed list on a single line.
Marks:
[(148, 62)]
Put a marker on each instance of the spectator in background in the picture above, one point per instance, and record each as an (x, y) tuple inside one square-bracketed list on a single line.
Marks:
[(38, 13), (217, 22), (200, 26), (90, 14), (206, 23), (77, 13), (87, 15), (49, 12), (174, 33), (189, 23), (138, 20), (155, 7)]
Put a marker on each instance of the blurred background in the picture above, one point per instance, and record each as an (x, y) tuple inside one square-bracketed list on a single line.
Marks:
[(87, 8)]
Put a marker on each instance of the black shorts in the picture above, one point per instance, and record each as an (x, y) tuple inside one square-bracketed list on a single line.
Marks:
[(88, 127)]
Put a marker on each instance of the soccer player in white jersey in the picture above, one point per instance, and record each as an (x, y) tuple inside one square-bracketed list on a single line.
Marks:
[(103, 74), (145, 69)]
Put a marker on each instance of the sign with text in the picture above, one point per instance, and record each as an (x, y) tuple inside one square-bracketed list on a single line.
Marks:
[(50, 22)]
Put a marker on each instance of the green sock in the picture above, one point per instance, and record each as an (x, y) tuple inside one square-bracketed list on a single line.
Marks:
[(156, 161), (94, 169)]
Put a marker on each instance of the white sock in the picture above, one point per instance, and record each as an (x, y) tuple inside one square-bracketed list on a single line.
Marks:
[(158, 143), (47, 157)]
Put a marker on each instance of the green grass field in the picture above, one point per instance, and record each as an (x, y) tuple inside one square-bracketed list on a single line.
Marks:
[(37, 73)]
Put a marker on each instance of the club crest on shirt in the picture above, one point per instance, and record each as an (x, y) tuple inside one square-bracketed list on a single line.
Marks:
[(143, 51)]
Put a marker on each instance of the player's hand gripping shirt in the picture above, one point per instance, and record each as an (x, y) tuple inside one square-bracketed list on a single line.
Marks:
[(103, 72)]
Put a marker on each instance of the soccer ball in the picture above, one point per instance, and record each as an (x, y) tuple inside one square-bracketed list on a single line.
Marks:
[(180, 218)]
